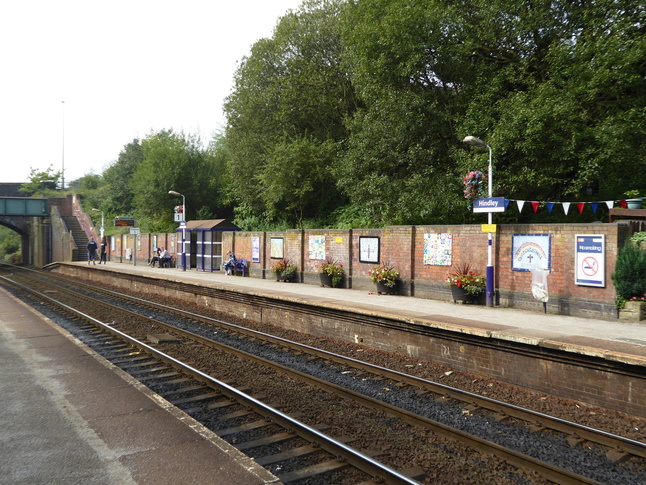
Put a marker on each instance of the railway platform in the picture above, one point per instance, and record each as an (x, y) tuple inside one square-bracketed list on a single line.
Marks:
[(616, 340), (70, 417)]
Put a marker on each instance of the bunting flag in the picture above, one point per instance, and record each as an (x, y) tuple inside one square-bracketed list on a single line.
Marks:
[(566, 205)]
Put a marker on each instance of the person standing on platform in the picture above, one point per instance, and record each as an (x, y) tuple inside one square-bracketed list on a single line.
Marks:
[(91, 251), (104, 250)]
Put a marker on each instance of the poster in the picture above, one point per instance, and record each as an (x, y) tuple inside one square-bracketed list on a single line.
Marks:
[(590, 257), (529, 251), (317, 247), (438, 249), (276, 247), (255, 250)]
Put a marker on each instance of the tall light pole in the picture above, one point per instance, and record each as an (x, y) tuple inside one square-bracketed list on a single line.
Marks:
[(102, 221), (172, 192), (477, 142), (63, 151)]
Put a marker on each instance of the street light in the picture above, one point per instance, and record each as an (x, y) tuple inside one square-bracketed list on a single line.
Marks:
[(477, 142), (102, 224), (172, 192)]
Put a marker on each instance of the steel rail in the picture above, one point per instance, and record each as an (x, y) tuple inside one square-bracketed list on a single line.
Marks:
[(616, 442), (357, 459)]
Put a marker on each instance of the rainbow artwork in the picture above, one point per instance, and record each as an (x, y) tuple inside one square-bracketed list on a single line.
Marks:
[(530, 251)]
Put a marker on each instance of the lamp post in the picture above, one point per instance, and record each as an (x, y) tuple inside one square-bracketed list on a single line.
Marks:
[(102, 221), (477, 142), (172, 192)]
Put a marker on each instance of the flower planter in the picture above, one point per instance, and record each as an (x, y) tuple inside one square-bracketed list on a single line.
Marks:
[(459, 294), (382, 289), (634, 203), (326, 279), (633, 311)]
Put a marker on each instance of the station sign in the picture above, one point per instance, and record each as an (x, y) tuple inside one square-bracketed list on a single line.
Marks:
[(590, 257), (489, 204), (135, 231)]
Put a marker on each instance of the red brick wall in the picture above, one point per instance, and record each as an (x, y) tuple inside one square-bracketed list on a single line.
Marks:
[(403, 247)]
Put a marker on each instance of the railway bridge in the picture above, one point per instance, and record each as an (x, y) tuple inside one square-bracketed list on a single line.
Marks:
[(51, 229), (30, 218)]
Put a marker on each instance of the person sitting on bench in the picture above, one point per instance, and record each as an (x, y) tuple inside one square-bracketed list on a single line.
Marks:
[(231, 264), (164, 258)]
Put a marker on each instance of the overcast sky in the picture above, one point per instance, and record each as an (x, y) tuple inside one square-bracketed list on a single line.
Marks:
[(81, 79)]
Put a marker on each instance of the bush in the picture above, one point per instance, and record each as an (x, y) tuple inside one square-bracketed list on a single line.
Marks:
[(629, 276)]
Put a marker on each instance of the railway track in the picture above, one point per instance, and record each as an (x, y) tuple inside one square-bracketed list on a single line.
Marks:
[(617, 448)]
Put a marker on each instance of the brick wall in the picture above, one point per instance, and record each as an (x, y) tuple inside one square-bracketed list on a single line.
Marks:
[(403, 247)]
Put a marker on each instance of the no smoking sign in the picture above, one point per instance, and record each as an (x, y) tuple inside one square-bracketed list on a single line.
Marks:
[(590, 253)]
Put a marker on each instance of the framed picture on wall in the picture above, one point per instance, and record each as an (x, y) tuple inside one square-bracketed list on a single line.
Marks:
[(368, 249), (276, 247), (530, 251)]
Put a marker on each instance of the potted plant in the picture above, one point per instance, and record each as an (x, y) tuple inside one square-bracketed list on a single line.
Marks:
[(289, 274), (466, 284), (385, 277), (331, 273), (279, 267), (629, 279), (633, 201)]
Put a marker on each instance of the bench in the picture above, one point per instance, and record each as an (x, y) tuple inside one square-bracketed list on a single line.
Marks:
[(239, 267), (166, 262)]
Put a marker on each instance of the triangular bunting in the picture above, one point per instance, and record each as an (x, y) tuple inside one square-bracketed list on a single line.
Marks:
[(594, 206), (535, 206), (610, 204), (580, 206), (566, 207), (550, 206), (507, 201), (520, 204), (623, 204)]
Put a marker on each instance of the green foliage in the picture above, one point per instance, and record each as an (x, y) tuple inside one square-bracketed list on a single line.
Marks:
[(629, 276), (10, 246), (43, 182), (638, 237), (352, 115)]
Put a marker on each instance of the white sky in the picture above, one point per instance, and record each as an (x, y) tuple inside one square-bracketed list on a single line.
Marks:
[(106, 73)]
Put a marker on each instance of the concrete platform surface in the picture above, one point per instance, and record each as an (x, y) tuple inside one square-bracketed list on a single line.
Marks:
[(70, 417), (614, 340)]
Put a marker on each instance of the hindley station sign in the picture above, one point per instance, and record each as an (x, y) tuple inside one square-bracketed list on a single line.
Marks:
[(490, 204)]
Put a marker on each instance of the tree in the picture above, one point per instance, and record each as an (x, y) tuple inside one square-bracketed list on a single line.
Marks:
[(40, 181), (291, 97), (171, 161)]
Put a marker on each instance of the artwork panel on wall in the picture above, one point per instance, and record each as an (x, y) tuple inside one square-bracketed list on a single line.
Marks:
[(369, 249)]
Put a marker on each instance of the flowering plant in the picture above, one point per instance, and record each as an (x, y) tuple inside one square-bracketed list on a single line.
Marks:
[(279, 266), (464, 277), (474, 185), (334, 269), (386, 274)]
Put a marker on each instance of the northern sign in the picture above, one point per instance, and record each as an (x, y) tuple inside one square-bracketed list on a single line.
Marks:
[(590, 256)]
